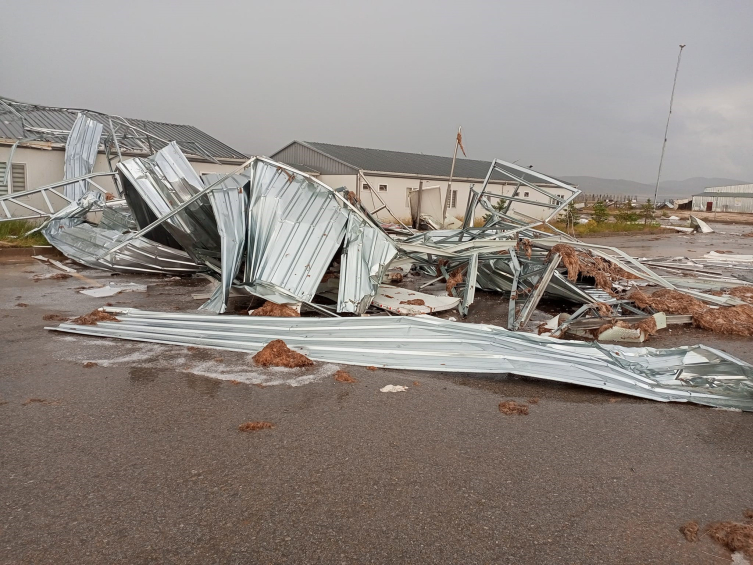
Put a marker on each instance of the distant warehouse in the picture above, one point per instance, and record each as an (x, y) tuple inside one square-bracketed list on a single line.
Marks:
[(737, 198), (395, 175)]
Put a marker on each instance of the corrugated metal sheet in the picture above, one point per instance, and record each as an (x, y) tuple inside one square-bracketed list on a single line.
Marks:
[(310, 153), (366, 254), (683, 374), (729, 202), (62, 120), (163, 182), (295, 227), (297, 154), (83, 243), (80, 154), (229, 201), (746, 188)]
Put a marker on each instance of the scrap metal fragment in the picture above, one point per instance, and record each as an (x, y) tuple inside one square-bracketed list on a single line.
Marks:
[(80, 153)]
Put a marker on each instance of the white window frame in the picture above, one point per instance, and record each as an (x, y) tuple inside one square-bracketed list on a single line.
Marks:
[(380, 189), (454, 199), (10, 176), (365, 187)]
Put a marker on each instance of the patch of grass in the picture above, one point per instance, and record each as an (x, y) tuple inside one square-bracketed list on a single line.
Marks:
[(11, 234), (592, 228)]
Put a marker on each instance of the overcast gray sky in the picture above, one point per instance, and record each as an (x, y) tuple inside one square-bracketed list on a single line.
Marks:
[(574, 88)]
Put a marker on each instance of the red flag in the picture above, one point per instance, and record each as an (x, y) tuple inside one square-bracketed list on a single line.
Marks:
[(460, 143)]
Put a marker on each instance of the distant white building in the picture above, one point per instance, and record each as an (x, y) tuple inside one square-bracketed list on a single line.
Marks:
[(394, 174), (736, 198)]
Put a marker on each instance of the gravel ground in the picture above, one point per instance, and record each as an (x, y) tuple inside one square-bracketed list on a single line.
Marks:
[(138, 459)]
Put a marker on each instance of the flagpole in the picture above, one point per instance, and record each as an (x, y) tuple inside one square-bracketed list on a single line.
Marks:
[(452, 171)]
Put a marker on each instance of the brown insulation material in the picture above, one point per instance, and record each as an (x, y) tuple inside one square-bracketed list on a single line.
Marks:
[(93, 317), (414, 302), (344, 377), (604, 309), (584, 264), (255, 426), (456, 277), (733, 536), (743, 293), (526, 245), (647, 325), (277, 354), (511, 407), (690, 531), (396, 277), (440, 263), (275, 311), (733, 320), (668, 301), (55, 318)]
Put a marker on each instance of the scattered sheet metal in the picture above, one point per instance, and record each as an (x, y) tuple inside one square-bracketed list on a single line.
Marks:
[(367, 252), (693, 373), (699, 225), (411, 302), (155, 186), (83, 242), (113, 288), (80, 153), (229, 202), (295, 227)]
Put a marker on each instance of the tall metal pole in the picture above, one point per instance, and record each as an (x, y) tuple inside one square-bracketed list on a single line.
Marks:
[(449, 184), (666, 129)]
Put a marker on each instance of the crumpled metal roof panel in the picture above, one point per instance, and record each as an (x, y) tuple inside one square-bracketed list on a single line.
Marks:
[(682, 374), (295, 227), (80, 154)]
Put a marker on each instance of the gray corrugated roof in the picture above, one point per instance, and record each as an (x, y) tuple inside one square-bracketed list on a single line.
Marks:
[(382, 160), (725, 194), (186, 136), (404, 163)]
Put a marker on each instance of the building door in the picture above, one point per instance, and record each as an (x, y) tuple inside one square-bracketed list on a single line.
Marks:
[(709, 206)]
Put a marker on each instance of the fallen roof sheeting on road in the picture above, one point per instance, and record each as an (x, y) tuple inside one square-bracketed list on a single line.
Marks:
[(683, 374)]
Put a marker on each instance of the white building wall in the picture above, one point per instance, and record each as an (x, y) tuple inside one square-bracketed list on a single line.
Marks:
[(721, 203), (45, 167), (397, 200)]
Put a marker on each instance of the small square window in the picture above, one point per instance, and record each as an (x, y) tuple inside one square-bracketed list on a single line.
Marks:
[(382, 188), (366, 187), (525, 195)]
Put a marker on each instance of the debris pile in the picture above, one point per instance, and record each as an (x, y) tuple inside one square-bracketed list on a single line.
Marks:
[(94, 317), (344, 377), (277, 354), (733, 536), (272, 232), (510, 407), (275, 310)]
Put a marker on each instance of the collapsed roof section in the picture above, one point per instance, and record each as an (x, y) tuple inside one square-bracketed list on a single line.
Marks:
[(32, 124), (287, 226)]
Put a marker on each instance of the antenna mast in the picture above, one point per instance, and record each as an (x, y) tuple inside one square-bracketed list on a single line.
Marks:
[(666, 129)]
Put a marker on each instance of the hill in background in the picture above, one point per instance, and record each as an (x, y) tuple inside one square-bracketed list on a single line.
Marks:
[(667, 189)]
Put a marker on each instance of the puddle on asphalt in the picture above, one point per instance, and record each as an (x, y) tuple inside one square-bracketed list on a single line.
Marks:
[(202, 367)]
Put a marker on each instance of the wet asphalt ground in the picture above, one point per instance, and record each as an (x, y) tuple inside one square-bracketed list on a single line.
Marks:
[(138, 459)]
